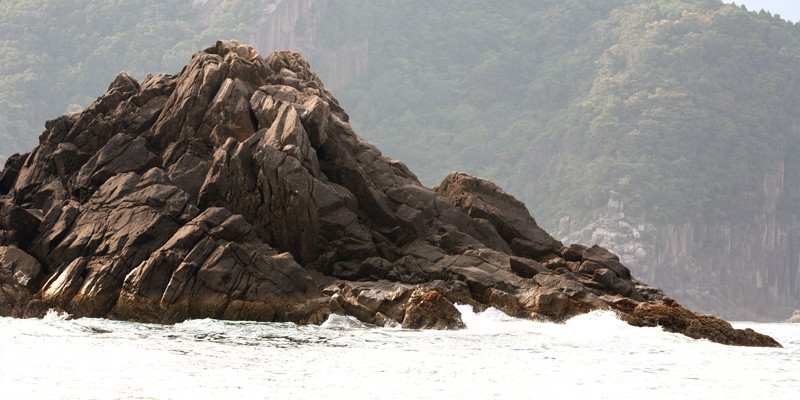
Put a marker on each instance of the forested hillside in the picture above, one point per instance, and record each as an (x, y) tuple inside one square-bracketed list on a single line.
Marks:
[(667, 130)]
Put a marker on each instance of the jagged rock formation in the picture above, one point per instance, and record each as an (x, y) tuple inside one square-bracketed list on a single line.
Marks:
[(238, 190)]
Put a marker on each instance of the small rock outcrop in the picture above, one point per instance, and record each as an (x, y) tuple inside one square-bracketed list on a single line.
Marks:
[(238, 190)]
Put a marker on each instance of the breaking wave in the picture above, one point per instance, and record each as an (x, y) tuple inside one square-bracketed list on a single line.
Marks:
[(497, 356)]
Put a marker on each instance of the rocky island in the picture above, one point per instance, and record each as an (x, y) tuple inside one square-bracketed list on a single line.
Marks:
[(238, 190)]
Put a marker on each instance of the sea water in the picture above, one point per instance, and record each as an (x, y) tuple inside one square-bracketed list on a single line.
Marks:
[(593, 356)]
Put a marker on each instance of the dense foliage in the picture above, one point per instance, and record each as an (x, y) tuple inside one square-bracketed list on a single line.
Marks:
[(679, 108)]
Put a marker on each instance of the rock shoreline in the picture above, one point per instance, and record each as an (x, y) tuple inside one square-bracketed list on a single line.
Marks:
[(238, 190)]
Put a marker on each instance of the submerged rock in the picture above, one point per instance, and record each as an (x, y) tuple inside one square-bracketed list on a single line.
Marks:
[(238, 190)]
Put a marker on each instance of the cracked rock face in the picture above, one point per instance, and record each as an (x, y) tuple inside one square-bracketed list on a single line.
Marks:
[(238, 190)]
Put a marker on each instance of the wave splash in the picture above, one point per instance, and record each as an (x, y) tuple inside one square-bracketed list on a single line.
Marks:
[(343, 322), (56, 315), (221, 359)]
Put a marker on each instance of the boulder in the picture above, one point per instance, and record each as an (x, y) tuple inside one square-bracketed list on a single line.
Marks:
[(20, 274), (19, 268), (602, 256), (428, 309), (379, 303), (483, 199), (18, 226), (573, 253)]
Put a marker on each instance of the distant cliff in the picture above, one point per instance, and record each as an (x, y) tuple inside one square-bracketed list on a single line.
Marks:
[(740, 271), (238, 190), (297, 25)]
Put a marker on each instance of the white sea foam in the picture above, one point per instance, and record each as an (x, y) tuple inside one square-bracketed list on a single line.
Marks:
[(492, 320), (342, 322), (56, 315), (590, 356)]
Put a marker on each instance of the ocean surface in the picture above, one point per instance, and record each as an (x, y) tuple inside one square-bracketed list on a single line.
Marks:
[(594, 356)]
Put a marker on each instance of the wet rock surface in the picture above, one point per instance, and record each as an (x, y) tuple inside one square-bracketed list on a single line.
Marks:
[(238, 190)]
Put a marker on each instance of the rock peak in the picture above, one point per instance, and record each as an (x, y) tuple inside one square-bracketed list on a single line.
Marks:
[(224, 47), (237, 189)]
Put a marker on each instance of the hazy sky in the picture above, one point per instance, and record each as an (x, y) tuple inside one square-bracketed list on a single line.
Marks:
[(788, 9)]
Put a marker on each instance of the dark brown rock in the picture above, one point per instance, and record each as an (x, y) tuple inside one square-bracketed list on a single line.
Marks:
[(573, 253), (609, 280), (505, 302), (678, 319), (18, 268), (530, 249), (428, 309), (19, 278), (123, 153), (216, 267), (237, 189), (189, 162), (18, 226), (607, 259), (589, 267), (10, 172), (208, 103), (556, 263), (480, 198), (552, 305), (379, 303), (524, 267)]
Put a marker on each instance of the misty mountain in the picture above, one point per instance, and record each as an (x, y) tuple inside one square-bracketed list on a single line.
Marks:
[(665, 130)]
